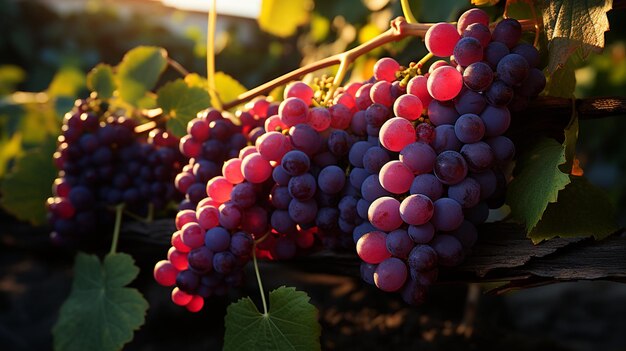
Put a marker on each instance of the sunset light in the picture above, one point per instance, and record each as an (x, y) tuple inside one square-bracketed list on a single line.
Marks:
[(242, 8)]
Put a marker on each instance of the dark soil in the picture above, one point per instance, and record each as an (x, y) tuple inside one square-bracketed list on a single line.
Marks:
[(35, 278)]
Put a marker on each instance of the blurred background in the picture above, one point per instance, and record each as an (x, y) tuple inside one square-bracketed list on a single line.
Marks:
[(48, 46)]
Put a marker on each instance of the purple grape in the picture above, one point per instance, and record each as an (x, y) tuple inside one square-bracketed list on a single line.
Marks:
[(421, 234), (357, 151), (399, 244), (418, 157), (503, 149), (508, 31), (450, 167), (467, 51), (448, 214), (449, 250), (187, 281), (427, 184), (217, 239), (469, 128), (499, 93), (445, 139), (201, 260), (302, 187), (496, 120), (479, 156), (441, 113), (513, 69), (422, 258), (466, 193), (494, 52), (390, 274), (469, 102), (331, 179), (374, 159), (528, 52)]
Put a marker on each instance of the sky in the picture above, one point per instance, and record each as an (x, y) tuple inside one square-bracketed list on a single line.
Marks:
[(243, 8)]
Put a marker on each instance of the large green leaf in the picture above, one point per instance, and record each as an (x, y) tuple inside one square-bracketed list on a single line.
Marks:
[(100, 79), (573, 25), (282, 17), (538, 183), (561, 82), (582, 210), (67, 82), (139, 71), (181, 103), (290, 324), (10, 77), (10, 148), (101, 313), (228, 88), (25, 188)]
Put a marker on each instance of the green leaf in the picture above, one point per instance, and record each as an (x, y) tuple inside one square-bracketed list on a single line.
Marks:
[(67, 82), (538, 183), (101, 313), (10, 148), (571, 138), (572, 26), (181, 103), (100, 79), (562, 82), (27, 186), (139, 71), (282, 17), (228, 88), (10, 77), (582, 210), (290, 324)]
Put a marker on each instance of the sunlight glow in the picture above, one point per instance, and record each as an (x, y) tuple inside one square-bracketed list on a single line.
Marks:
[(241, 8)]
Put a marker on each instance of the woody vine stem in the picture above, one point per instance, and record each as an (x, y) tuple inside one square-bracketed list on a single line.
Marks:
[(399, 29)]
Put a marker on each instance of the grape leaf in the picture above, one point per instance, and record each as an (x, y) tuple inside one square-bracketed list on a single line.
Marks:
[(25, 188), (101, 313), (67, 82), (100, 79), (574, 25), (290, 324), (181, 103), (10, 148), (139, 71), (582, 210), (228, 88), (292, 13), (10, 77), (538, 183), (571, 138), (562, 82)]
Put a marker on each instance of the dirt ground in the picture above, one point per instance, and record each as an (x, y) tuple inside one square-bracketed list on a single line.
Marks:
[(35, 278)]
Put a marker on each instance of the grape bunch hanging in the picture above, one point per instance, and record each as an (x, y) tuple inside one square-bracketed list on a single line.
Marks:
[(401, 167), (102, 163)]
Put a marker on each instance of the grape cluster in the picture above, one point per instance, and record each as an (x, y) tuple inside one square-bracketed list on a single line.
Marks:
[(211, 139), (367, 168), (426, 183), (102, 162)]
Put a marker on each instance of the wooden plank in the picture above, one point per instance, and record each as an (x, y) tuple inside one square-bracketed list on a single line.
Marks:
[(502, 253)]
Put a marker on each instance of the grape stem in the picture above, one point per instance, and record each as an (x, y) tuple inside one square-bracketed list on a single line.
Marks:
[(258, 279), (210, 56), (177, 67), (119, 210), (399, 29), (406, 10)]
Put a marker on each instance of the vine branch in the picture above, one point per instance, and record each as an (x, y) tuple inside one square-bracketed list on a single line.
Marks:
[(399, 29)]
